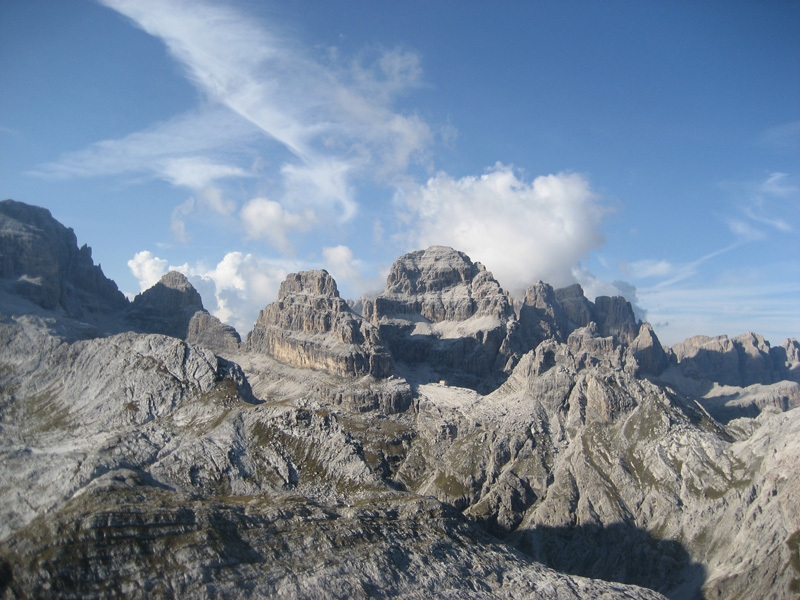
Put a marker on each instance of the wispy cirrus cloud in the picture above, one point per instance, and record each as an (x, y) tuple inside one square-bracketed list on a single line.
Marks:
[(323, 121), (768, 207), (191, 150), (722, 307), (335, 118), (785, 136)]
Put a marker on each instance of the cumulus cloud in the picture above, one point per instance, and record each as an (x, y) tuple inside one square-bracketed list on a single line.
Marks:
[(263, 218), (349, 272), (521, 230), (147, 268), (234, 290)]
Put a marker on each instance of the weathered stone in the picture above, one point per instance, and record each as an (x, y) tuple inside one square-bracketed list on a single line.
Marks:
[(541, 316), (142, 465), (310, 326), (40, 260), (174, 307), (442, 310)]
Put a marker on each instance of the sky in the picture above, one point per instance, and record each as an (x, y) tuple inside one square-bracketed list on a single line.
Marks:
[(645, 149)]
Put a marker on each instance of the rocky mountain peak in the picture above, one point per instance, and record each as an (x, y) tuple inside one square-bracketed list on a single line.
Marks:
[(311, 326), (432, 270), (42, 263), (444, 312), (174, 307), (314, 283), (172, 293)]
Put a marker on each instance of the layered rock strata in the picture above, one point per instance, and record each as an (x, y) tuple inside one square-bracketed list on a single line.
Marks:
[(744, 360), (310, 326), (443, 311), (606, 326)]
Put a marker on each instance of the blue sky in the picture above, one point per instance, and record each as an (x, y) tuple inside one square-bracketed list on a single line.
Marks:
[(644, 148)]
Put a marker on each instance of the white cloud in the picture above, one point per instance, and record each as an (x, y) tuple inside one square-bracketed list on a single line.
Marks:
[(335, 118), (776, 185), (263, 218), (243, 284), (744, 229), (785, 136), (189, 150), (321, 183), (178, 219), (147, 268), (642, 269), (197, 172), (234, 290), (348, 271), (341, 263), (723, 308), (522, 231)]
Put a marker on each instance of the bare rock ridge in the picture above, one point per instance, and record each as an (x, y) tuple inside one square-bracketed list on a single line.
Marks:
[(41, 262), (173, 307), (310, 326), (744, 360)]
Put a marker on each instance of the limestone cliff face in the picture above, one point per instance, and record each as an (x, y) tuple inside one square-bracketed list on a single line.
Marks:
[(310, 326), (613, 315), (173, 307), (40, 261), (744, 360), (605, 330), (443, 311)]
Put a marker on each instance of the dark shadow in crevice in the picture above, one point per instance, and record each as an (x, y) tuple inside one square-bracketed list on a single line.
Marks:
[(619, 553)]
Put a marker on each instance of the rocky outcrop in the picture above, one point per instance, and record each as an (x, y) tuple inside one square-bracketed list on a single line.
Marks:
[(173, 307), (542, 316), (310, 326), (741, 361), (603, 331), (137, 466), (40, 261), (613, 315), (446, 313)]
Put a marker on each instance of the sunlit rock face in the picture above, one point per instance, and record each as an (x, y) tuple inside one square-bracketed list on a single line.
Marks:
[(310, 326), (447, 314)]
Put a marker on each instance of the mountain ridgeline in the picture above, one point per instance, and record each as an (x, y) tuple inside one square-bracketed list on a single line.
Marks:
[(440, 438)]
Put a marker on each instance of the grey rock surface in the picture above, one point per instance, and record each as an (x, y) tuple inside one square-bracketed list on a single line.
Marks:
[(40, 261), (143, 465), (174, 307), (443, 311), (310, 326)]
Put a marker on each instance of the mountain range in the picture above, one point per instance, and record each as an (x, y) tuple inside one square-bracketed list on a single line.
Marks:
[(441, 438)]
